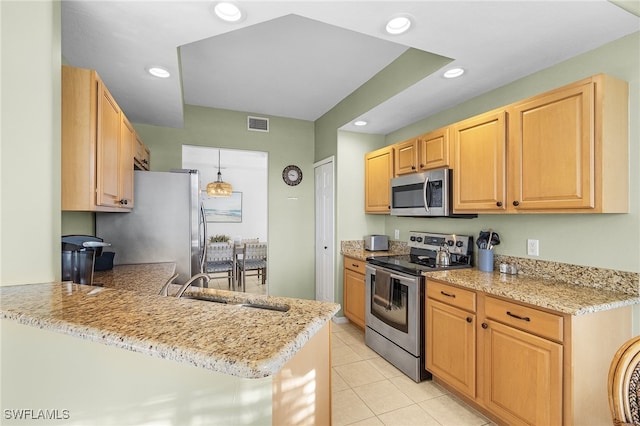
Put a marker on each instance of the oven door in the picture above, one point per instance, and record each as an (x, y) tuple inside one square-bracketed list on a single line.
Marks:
[(401, 322)]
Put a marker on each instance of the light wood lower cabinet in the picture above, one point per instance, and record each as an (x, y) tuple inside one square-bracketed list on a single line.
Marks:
[(520, 364), (451, 336), (354, 290)]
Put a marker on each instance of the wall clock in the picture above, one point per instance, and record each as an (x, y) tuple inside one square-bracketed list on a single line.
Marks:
[(292, 175)]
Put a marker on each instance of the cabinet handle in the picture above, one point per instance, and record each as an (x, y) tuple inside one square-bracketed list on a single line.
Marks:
[(518, 316), (499, 204), (354, 265), (124, 202), (516, 203), (469, 319), (447, 294), (485, 325)]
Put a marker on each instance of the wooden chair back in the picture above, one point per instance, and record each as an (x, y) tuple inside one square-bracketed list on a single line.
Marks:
[(624, 384)]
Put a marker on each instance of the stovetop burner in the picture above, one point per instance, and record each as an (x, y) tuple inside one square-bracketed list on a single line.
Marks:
[(423, 251)]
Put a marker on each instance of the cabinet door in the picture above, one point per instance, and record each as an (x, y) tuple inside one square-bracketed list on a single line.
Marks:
[(127, 150), (354, 296), (378, 171), (522, 376), (479, 163), (551, 150), (141, 159), (406, 157), (108, 144), (433, 149), (451, 346)]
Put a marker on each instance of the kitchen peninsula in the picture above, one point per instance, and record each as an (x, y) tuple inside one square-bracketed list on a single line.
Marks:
[(111, 355)]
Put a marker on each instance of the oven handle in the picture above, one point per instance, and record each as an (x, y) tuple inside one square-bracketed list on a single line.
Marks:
[(426, 194), (405, 279)]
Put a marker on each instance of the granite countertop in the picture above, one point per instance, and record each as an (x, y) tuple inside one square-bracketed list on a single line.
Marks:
[(552, 294), (147, 278), (227, 338)]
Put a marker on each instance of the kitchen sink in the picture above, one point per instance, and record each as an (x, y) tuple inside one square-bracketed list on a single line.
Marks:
[(206, 298)]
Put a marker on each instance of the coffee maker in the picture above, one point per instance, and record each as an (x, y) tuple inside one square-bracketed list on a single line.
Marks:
[(78, 257)]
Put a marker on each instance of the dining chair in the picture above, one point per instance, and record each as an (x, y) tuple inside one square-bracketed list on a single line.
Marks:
[(624, 384), (221, 257), (254, 258)]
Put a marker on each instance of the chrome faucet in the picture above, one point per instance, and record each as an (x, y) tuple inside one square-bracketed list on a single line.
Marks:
[(186, 285), (165, 289)]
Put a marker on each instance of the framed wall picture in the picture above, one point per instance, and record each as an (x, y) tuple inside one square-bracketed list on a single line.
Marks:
[(223, 209)]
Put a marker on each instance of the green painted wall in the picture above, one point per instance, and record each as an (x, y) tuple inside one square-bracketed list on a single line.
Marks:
[(291, 209), (30, 150), (607, 241)]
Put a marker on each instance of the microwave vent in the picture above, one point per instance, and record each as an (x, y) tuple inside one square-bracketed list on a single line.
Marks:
[(258, 124)]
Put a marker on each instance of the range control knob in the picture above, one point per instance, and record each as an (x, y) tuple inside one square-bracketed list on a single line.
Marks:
[(419, 239), (459, 243), (412, 238), (450, 243)]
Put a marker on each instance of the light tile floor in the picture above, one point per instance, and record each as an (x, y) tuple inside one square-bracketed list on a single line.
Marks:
[(368, 390), (253, 283)]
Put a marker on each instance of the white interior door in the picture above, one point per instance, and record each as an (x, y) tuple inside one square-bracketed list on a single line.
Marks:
[(325, 240)]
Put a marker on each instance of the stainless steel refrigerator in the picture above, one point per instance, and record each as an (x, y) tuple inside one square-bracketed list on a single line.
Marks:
[(166, 224)]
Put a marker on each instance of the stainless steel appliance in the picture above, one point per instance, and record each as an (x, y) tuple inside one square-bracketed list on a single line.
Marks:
[(166, 224), (395, 289), (424, 194), (376, 242)]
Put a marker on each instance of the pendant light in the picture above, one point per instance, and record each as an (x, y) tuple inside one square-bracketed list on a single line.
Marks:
[(219, 188)]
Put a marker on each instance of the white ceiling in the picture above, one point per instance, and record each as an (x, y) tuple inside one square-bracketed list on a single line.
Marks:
[(298, 59)]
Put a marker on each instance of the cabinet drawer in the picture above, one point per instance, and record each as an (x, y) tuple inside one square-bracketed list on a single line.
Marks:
[(454, 296), (525, 318), (355, 265)]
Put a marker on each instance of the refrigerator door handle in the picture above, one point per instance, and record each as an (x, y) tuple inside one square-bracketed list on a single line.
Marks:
[(203, 259)]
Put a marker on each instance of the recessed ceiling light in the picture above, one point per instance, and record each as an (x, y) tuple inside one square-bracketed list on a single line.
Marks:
[(360, 123), (453, 73), (159, 72), (398, 24), (228, 11)]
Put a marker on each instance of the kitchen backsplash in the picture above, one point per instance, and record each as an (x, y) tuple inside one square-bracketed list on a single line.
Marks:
[(587, 276)]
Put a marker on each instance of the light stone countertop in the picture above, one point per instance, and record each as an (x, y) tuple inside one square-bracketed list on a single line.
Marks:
[(546, 293), (227, 338), (147, 278)]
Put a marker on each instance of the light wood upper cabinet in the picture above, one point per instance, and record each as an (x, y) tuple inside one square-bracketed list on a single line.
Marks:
[(406, 157), (568, 149), (426, 152), (95, 158), (128, 146), (142, 159), (479, 163), (378, 171)]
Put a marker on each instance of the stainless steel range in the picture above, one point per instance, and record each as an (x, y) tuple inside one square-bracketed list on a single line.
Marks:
[(395, 288)]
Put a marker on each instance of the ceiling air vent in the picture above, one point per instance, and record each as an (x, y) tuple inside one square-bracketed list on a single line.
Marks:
[(258, 124)]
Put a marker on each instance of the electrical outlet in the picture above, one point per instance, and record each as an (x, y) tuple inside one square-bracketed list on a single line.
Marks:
[(533, 248), (396, 234)]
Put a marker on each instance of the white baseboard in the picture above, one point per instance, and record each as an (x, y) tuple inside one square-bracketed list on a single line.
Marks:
[(340, 320)]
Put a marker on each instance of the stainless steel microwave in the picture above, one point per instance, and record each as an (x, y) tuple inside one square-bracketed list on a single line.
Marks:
[(424, 194)]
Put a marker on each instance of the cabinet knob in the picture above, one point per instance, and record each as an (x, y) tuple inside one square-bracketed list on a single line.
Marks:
[(413, 167), (469, 319), (499, 204), (422, 166), (516, 203), (485, 325)]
